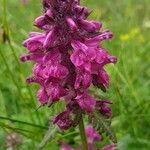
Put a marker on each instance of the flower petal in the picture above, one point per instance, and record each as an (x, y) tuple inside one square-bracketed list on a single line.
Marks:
[(77, 45), (72, 25), (83, 79), (63, 120), (42, 95), (86, 102), (55, 91), (49, 40)]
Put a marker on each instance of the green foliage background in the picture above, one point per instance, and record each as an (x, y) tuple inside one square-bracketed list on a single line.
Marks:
[(130, 78)]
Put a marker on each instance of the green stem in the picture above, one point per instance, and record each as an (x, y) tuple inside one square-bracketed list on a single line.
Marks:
[(82, 134)]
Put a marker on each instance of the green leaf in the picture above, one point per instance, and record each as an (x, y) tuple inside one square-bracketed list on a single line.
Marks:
[(103, 125), (49, 136)]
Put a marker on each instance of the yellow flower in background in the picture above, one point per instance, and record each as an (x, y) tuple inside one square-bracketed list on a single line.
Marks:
[(124, 37), (134, 33)]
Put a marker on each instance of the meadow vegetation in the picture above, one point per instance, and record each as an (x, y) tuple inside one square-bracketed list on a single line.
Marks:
[(130, 77)]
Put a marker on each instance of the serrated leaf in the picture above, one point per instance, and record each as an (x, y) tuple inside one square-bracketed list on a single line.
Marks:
[(77, 117), (49, 136), (103, 125)]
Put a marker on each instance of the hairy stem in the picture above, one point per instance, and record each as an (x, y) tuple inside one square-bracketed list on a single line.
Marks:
[(82, 134)]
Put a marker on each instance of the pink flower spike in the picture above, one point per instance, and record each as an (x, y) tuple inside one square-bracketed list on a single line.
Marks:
[(69, 59)]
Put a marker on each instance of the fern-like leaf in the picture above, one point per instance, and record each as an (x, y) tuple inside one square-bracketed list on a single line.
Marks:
[(103, 125)]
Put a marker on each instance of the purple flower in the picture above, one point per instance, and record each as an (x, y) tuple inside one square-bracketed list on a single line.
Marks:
[(86, 102), (110, 147), (90, 26), (42, 95), (83, 79), (92, 136), (63, 120), (35, 42), (69, 58), (72, 25), (65, 147), (104, 108), (101, 79)]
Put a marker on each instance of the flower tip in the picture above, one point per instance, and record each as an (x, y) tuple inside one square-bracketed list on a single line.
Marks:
[(113, 59), (40, 21), (49, 13), (30, 80), (24, 43), (109, 34), (97, 24), (23, 58)]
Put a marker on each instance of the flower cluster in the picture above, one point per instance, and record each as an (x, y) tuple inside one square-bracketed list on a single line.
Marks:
[(13, 140), (69, 59)]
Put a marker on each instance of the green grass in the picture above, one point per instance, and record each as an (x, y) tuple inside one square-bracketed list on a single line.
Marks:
[(130, 78)]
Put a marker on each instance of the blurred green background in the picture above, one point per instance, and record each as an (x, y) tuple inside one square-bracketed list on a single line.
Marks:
[(130, 78)]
